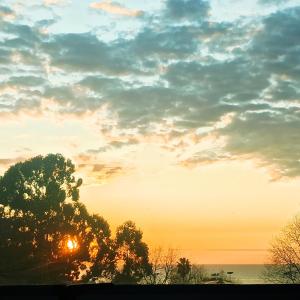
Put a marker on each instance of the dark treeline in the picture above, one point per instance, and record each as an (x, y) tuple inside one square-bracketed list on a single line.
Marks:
[(48, 236)]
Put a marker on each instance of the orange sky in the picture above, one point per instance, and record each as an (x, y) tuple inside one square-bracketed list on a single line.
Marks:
[(221, 213)]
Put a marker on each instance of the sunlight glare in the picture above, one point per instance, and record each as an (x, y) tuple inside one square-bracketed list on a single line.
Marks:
[(72, 245)]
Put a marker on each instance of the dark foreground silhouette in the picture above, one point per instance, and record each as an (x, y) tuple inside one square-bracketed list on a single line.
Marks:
[(162, 292)]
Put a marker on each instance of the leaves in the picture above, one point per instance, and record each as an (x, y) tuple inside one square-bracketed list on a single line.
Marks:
[(132, 254)]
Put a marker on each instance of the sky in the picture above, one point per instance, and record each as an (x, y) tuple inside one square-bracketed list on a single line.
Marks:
[(181, 115)]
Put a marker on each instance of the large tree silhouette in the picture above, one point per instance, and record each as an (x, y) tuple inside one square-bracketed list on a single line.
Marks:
[(40, 216), (48, 236)]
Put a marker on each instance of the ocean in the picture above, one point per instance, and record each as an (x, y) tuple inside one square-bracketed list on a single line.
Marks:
[(244, 274)]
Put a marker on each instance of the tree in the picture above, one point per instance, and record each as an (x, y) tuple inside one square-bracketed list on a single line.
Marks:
[(284, 264), (102, 253), (169, 265), (47, 235), (156, 262), (183, 271), (198, 274), (131, 255)]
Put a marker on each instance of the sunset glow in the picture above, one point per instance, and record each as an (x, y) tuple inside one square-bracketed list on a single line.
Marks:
[(72, 245)]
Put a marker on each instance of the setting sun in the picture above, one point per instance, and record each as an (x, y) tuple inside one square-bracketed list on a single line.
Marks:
[(72, 245)]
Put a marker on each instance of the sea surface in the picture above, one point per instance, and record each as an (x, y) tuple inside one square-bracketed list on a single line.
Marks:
[(244, 274)]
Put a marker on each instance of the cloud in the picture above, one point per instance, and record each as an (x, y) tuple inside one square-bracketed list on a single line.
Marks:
[(6, 162), (276, 2), (205, 157), (178, 76), (115, 8), (267, 136), (167, 43), (268, 133), (108, 173), (28, 81), (96, 169), (6, 13), (120, 144), (4, 56), (86, 53), (194, 10), (100, 172)]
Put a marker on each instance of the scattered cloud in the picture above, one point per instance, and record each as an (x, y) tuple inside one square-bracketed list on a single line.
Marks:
[(6, 13), (96, 169), (115, 8), (194, 10), (100, 173), (10, 161)]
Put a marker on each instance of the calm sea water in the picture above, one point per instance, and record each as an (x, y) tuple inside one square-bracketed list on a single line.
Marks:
[(247, 274)]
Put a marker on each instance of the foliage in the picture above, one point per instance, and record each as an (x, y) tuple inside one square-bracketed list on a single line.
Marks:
[(132, 255), (183, 268), (181, 274), (284, 264), (198, 274)]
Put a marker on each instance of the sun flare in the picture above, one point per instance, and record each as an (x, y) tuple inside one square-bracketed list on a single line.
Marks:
[(72, 245)]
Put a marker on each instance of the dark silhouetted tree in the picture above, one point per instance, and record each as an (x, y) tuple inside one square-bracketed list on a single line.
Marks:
[(183, 268), (131, 255), (40, 215), (102, 253)]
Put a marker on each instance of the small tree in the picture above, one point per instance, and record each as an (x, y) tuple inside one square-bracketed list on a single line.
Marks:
[(169, 265), (156, 262), (198, 274), (284, 263), (163, 266), (184, 269), (131, 255)]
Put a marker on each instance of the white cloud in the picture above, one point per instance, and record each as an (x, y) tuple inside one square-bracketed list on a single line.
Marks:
[(115, 8)]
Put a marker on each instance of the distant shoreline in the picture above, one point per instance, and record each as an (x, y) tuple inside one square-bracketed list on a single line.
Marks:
[(243, 273)]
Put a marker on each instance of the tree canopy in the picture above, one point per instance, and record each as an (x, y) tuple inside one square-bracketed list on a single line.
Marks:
[(132, 254), (183, 267)]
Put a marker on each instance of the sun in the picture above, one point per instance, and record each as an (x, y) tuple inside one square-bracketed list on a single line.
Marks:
[(72, 245)]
